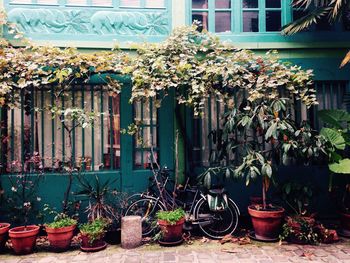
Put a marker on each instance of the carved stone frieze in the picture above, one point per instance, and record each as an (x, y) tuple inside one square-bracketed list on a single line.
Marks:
[(84, 21)]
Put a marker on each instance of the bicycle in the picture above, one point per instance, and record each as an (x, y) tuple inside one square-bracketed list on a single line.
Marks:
[(213, 212)]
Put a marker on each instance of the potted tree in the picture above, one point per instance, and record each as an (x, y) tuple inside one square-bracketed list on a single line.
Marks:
[(60, 232), (92, 234), (337, 134), (260, 134)]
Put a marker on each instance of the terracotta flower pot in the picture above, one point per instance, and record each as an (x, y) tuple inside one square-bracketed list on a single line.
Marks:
[(23, 238), (94, 246), (345, 224), (4, 229), (60, 238), (266, 223), (171, 233)]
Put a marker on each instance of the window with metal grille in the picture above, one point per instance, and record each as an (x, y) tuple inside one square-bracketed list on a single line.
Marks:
[(146, 149), (28, 128), (330, 95)]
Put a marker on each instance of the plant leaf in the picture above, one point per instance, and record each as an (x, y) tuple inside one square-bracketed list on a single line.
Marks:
[(343, 167)]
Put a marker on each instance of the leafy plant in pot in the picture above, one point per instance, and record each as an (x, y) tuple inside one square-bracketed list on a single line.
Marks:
[(172, 219), (92, 234), (337, 134), (103, 202), (301, 227), (23, 238), (61, 231), (260, 134)]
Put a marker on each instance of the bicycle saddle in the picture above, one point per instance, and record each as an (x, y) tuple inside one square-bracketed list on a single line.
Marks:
[(218, 191)]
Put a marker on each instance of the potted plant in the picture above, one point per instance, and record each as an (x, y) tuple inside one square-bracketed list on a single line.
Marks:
[(301, 227), (171, 225), (260, 134), (60, 232), (23, 238), (92, 234), (4, 229), (103, 202), (337, 134)]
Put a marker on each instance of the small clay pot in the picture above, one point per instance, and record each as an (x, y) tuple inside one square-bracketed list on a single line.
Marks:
[(171, 233)]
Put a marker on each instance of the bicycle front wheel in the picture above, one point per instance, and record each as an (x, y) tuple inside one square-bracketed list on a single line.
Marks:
[(221, 223), (147, 209)]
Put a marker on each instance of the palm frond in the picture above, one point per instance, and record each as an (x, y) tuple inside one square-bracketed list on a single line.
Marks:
[(337, 7), (306, 21), (346, 60)]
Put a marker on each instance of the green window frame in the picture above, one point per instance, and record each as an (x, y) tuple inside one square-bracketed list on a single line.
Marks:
[(237, 10)]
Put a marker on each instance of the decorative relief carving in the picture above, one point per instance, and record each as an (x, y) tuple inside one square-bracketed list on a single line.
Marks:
[(73, 21)]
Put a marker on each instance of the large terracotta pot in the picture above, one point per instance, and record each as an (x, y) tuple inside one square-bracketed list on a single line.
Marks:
[(60, 238), (4, 229), (171, 233), (267, 223), (345, 224), (23, 238)]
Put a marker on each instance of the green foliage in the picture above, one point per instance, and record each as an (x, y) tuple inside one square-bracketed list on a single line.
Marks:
[(95, 230), (337, 134), (303, 230), (171, 216), (297, 196), (62, 222), (99, 195)]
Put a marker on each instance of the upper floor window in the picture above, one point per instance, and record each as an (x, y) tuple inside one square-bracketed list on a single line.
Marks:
[(102, 3), (239, 15)]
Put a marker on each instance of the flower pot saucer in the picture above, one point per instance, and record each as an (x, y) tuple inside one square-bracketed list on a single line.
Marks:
[(343, 233), (252, 236), (94, 249), (169, 244)]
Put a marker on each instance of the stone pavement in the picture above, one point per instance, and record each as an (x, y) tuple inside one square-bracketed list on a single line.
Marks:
[(203, 252)]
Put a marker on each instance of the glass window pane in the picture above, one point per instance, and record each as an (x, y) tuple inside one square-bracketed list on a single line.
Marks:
[(222, 22), (323, 25), (155, 3), (200, 4), (131, 3), (76, 2), (346, 21), (273, 21), (273, 3), (298, 13), (47, 2), (101, 2), (250, 21), (223, 4), (250, 3), (201, 17)]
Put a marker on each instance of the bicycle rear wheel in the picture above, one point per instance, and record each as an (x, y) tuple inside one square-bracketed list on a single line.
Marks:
[(147, 208), (223, 222)]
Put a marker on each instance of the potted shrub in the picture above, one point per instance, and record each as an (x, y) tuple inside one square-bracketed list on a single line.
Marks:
[(4, 229), (103, 202), (260, 134), (92, 234), (60, 232), (301, 227), (171, 225), (337, 134)]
